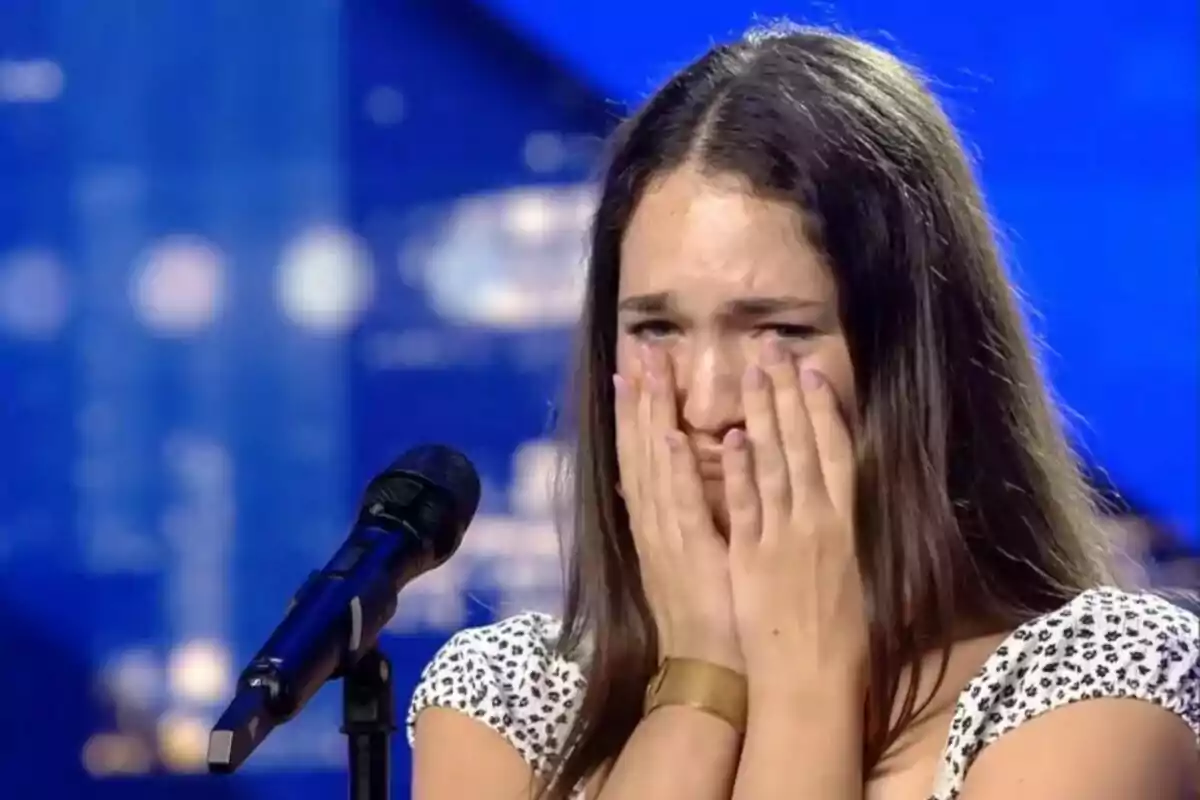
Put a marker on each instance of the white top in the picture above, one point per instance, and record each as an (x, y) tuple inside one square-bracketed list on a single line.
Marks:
[(1104, 643)]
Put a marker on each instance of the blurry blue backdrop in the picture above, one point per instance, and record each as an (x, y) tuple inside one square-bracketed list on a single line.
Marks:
[(251, 251)]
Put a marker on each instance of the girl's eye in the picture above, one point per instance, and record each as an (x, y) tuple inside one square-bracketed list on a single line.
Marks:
[(789, 331), (660, 328), (651, 329)]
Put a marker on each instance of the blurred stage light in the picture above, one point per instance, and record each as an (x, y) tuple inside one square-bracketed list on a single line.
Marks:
[(198, 459), (36, 80), (34, 297), (133, 678), (510, 260), (325, 280), (385, 106), (531, 216), (183, 742), (179, 285), (200, 672), (535, 472), (111, 754), (545, 152)]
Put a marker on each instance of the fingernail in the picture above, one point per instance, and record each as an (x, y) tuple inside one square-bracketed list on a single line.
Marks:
[(811, 379), (735, 439), (674, 441), (620, 386), (772, 353), (755, 377)]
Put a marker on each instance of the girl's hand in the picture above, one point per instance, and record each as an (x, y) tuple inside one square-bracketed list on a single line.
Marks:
[(684, 561), (789, 482)]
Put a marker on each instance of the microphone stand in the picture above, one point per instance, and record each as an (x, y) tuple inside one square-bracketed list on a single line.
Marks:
[(368, 720)]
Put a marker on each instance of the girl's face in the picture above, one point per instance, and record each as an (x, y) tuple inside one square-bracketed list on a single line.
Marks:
[(709, 273)]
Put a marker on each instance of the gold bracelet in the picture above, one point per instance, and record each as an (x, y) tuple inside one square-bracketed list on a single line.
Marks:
[(701, 685)]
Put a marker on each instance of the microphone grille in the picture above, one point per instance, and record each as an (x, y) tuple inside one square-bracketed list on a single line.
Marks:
[(447, 469)]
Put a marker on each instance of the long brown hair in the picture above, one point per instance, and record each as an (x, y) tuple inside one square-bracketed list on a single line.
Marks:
[(971, 505)]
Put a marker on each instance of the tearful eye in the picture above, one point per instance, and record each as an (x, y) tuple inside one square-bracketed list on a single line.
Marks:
[(651, 329), (789, 331)]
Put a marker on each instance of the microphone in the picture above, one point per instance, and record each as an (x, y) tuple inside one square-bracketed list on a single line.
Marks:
[(411, 519)]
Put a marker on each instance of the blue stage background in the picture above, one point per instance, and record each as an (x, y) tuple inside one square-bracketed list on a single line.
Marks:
[(251, 251)]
